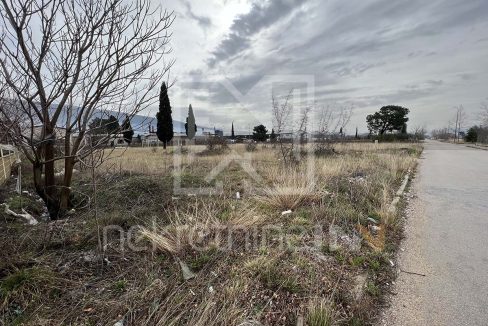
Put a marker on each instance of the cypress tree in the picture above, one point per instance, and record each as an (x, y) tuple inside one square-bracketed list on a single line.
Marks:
[(357, 133), (112, 125), (190, 126), (127, 131), (404, 129), (272, 137), (165, 121), (232, 132)]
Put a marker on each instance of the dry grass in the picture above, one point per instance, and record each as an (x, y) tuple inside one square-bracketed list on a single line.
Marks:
[(320, 313), (189, 226), (290, 188), (265, 282)]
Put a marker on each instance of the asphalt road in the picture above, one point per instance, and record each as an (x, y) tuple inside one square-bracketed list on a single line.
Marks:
[(447, 240)]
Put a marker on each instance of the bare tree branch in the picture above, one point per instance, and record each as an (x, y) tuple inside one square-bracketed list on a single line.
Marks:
[(64, 62)]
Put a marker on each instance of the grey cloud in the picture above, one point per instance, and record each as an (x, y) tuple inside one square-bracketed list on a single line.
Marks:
[(435, 82), (466, 76), (203, 21), (245, 26), (421, 53), (348, 45), (327, 92), (357, 69)]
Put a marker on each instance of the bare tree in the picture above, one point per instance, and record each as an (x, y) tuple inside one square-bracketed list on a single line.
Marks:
[(332, 122), (483, 127), (460, 120), (291, 132), (419, 133), (62, 62), (484, 115), (442, 134)]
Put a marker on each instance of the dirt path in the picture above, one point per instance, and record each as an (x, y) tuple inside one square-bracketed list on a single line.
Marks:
[(447, 240)]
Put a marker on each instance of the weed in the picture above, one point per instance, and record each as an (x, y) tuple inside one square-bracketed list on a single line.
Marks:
[(120, 285), (274, 279), (19, 202), (357, 261), (340, 256), (375, 262), (372, 289), (15, 280), (320, 313), (161, 258), (355, 321), (198, 262)]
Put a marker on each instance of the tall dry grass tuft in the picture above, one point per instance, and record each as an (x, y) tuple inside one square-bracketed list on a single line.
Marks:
[(181, 309), (320, 313), (196, 222), (291, 188)]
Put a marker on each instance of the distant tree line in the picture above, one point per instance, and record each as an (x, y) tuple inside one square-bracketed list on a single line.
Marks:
[(455, 129)]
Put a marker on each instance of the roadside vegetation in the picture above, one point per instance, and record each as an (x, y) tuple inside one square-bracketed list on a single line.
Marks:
[(316, 250)]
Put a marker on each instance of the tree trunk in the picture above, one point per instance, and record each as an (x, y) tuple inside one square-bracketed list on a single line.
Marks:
[(37, 170), (64, 202), (164, 145), (52, 196)]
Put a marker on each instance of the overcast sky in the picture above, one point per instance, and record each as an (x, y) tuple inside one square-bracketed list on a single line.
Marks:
[(428, 56)]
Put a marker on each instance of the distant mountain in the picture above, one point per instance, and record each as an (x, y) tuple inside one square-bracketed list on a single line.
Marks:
[(140, 123)]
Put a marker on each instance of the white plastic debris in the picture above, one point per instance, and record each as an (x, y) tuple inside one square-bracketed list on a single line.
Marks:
[(211, 289), (286, 212), (120, 323), (238, 195), (374, 229), (185, 270), (372, 220)]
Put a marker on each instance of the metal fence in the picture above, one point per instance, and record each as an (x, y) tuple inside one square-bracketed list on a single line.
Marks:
[(8, 157)]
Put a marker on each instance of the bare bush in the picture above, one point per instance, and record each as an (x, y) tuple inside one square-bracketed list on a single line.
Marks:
[(332, 126), (215, 146), (251, 147)]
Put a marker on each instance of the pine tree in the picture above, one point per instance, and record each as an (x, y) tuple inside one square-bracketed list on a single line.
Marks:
[(190, 126), (165, 121), (233, 136), (357, 137), (472, 135), (260, 133), (127, 131)]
